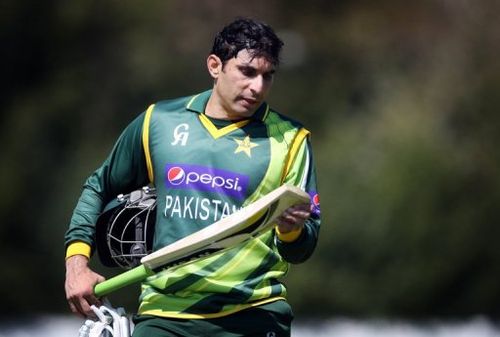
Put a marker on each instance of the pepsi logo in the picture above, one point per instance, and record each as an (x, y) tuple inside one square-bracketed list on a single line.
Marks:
[(315, 200), (315, 203), (205, 178), (176, 175)]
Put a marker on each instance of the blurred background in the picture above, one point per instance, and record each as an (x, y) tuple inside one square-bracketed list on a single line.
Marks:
[(401, 99)]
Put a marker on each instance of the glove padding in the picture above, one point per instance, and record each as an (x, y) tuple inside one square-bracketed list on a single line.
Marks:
[(109, 322)]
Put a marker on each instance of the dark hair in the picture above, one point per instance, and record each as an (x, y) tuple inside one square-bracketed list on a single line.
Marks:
[(243, 33)]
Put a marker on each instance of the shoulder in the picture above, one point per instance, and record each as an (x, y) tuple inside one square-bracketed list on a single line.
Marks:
[(282, 122), (172, 105)]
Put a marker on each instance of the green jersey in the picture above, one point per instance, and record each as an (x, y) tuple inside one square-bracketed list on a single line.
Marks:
[(203, 170)]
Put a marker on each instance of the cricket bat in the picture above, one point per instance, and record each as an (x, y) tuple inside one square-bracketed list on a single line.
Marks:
[(243, 225)]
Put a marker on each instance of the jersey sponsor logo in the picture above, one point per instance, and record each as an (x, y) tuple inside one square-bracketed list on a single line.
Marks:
[(181, 134), (176, 175), (208, 179), (194, 208), (315, 208)]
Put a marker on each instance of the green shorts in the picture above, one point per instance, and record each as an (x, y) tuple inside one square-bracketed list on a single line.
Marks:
[(269, 320)]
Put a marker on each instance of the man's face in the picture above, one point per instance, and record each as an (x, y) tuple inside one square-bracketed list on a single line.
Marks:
[(242, 84)]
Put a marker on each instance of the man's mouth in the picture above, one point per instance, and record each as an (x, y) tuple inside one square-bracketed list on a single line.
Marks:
[(249, 101)]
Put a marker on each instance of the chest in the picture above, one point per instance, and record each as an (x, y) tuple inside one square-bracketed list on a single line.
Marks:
[(190, 155)]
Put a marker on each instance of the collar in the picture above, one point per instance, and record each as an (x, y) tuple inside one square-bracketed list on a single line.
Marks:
[(198, 103)]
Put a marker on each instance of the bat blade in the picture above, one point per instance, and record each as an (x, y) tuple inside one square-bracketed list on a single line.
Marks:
[(238, 227), (250, 221)]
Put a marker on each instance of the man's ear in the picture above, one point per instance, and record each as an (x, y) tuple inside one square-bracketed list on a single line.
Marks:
[(214, 65)]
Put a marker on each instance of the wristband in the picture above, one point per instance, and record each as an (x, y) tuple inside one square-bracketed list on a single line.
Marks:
[(78, 248)]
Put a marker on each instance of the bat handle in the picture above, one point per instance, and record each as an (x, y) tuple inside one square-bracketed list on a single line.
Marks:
[(129, 277)]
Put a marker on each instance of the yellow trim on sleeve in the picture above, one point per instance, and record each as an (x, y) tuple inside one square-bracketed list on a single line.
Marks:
[(292, 153), (289, 236), (78, 248), (145, 142)]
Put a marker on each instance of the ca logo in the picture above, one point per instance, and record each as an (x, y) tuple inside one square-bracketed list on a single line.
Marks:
[(181, 134), (271, 334)]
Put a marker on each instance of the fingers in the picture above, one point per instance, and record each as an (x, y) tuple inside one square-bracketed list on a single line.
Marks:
[(74, 309), (79, 306), (79, 286), (294, 217), (296, 214), (80, 303), (89, 301)]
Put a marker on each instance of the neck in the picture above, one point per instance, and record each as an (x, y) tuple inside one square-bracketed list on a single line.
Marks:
[(215, 109)]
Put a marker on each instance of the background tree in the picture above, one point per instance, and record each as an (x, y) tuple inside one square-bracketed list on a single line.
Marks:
[(401, 99)]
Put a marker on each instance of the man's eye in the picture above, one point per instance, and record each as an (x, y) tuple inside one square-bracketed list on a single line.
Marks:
[(249, 72), (268, 76)]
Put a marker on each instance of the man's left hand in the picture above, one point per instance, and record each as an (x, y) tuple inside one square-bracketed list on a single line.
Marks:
[(293, 218)]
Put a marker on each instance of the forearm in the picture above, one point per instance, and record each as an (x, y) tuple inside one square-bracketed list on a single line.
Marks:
[(297, 239), (300, 249), (82, 224), (76, 264)]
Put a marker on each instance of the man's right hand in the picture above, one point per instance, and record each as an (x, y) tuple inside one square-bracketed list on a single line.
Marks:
[(79, 285)]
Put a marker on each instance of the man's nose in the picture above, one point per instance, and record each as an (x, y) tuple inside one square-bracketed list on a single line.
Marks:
[(257, 85)]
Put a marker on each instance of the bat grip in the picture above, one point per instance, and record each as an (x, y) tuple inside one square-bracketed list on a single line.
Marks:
[(129, 277)]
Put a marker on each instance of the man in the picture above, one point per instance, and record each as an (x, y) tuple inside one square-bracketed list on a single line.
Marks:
[(208, 155)]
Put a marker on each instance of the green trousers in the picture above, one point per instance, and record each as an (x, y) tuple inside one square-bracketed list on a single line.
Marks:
[(268, 320)]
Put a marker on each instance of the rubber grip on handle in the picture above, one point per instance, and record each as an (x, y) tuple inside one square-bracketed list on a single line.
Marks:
[(129, 277)]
